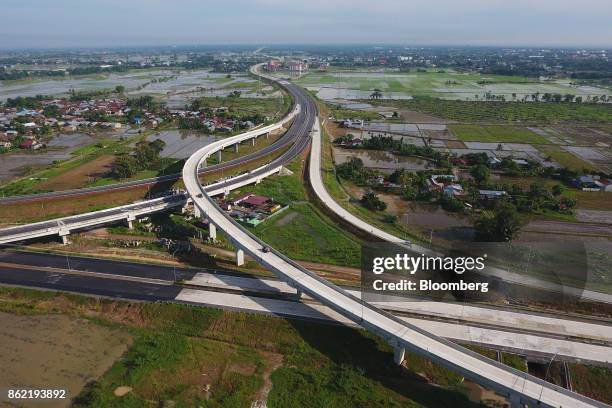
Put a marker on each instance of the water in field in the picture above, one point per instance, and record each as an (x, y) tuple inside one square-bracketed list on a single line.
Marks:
[(59, 148), (332, 94), (154, 82), (381, 160)]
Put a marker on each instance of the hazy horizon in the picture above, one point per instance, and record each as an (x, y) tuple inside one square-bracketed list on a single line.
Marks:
[(37, 24)]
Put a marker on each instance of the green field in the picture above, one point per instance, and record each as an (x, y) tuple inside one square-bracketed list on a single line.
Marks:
[(302, 232), (445, 83), (567, 159), (496, 133), (196, 356), (538, 113)]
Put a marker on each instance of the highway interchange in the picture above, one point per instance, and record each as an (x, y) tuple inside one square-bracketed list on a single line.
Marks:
[(400, 333)]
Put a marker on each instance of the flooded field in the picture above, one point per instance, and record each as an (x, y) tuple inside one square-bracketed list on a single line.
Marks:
[(59, 148), (55, 352), (447, 84), (171, 84), (381, 160), (181, 144), (61, 86)]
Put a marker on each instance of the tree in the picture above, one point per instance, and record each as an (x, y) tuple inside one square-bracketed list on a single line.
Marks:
[(500, 225), (125, 166), (120, 89), (350, 169), (480, 173), (557, 190), (376, 94), (371, 201), (390, 218)]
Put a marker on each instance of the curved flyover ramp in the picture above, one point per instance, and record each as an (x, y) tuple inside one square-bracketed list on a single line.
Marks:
[(519, 387)]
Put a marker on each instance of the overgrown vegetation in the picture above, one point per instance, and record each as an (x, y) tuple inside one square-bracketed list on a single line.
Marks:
[(197, 356), (145, 155)]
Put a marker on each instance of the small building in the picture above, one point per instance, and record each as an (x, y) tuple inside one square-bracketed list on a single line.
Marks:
[(491, 194), (521, 162), (593, 183)]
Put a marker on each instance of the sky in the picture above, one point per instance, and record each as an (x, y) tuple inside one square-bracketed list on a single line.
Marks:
[(106, 23)]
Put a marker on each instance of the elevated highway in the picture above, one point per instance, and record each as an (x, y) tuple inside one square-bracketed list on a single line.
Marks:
[(323, 195), (519, 387)]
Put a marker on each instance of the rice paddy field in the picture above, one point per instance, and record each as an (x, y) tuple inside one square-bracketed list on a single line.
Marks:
[(446, 84), (496, 134)]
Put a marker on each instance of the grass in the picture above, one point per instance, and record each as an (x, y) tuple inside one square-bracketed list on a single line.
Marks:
[(430, 83), (302, 232), (593, 382), (567, 159), (538, 113), (341, 113), (179, 351), (272, 107), (496, 134)]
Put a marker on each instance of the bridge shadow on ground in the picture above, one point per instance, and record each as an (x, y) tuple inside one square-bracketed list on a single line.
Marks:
[(352, 351)]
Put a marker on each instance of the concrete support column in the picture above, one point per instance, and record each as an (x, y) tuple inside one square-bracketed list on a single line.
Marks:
[(253, 141), (236, 148), (257, 181), (515, 401), (130, 221), (239, 257), (399, 353), (212, 231), (64, 236), (219, 156), (267, 135), (196, 211), (299, 293), (203, 163)]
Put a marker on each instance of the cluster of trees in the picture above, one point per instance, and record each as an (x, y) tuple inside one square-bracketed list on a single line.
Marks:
[(144, 155), (501, 224), (405, 149), (371, 201), (354, 170), (538, 197), (144, 102), (6, 74), (26, 102)]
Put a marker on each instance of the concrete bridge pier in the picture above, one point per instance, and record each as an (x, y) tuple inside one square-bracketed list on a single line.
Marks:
[(267, 135), (253, 141), (219, 156), (239, 257), (212, 231), (130, 220), (63, 233), (399, 354), (196, 211), (515, 401), (236, 148)]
